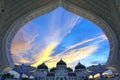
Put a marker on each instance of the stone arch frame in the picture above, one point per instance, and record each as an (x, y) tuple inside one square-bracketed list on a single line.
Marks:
[(47, 8)]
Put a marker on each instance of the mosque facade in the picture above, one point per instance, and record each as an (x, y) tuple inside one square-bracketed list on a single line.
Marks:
[(61, 72)]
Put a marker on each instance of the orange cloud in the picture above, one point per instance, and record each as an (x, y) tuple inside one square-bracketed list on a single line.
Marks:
[(22, 42)]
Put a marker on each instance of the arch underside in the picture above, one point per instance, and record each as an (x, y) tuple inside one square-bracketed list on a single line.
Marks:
[(45, 8)]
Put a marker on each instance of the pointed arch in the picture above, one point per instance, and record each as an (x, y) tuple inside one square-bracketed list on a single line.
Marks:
[(47, 7)]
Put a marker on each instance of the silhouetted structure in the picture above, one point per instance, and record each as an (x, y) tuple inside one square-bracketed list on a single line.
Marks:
[(61, 72)]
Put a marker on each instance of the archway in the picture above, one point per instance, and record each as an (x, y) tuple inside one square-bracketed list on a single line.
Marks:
[(45, 9)]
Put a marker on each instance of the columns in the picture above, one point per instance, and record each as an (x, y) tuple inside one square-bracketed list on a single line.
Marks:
[(20, 77), (101, 76), (0, 77)]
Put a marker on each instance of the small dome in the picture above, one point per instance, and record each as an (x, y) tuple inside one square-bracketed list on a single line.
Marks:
[(69, 69), (80, 66), (42, 66), (52, 69), (61, 62)]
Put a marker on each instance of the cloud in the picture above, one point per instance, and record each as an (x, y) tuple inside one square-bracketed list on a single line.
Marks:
[(73, 55), (97, 62), (23, 45), (21, 60), (44, 55), (102, 36), (56, 33), (31, 47), (22, 41)]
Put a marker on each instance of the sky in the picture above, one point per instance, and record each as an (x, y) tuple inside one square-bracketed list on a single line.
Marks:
[(60, 34)]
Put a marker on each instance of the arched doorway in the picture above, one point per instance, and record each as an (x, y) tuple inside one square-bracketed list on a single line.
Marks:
[(48, 7)]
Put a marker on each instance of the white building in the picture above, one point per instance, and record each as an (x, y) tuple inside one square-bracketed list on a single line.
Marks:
[(61, 72)]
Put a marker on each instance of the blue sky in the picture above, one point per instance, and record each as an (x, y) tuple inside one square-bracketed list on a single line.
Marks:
[(60, 34)]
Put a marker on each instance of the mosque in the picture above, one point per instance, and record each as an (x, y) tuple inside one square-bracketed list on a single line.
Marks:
[(16, 13), (61, 72)]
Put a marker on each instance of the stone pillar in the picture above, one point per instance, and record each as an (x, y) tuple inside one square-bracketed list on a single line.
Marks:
[(0, 77), (101, 76), (20, 77), (28, 76)]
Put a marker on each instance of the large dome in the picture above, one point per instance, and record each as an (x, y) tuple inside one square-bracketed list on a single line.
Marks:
[(69, 69), (61, 62), (80, 66), (42, 66), (53, 69)]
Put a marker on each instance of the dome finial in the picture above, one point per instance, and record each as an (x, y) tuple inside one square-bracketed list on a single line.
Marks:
[(61, 58), (80, 66), (61, 62), (79, 61), (42, 66)]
